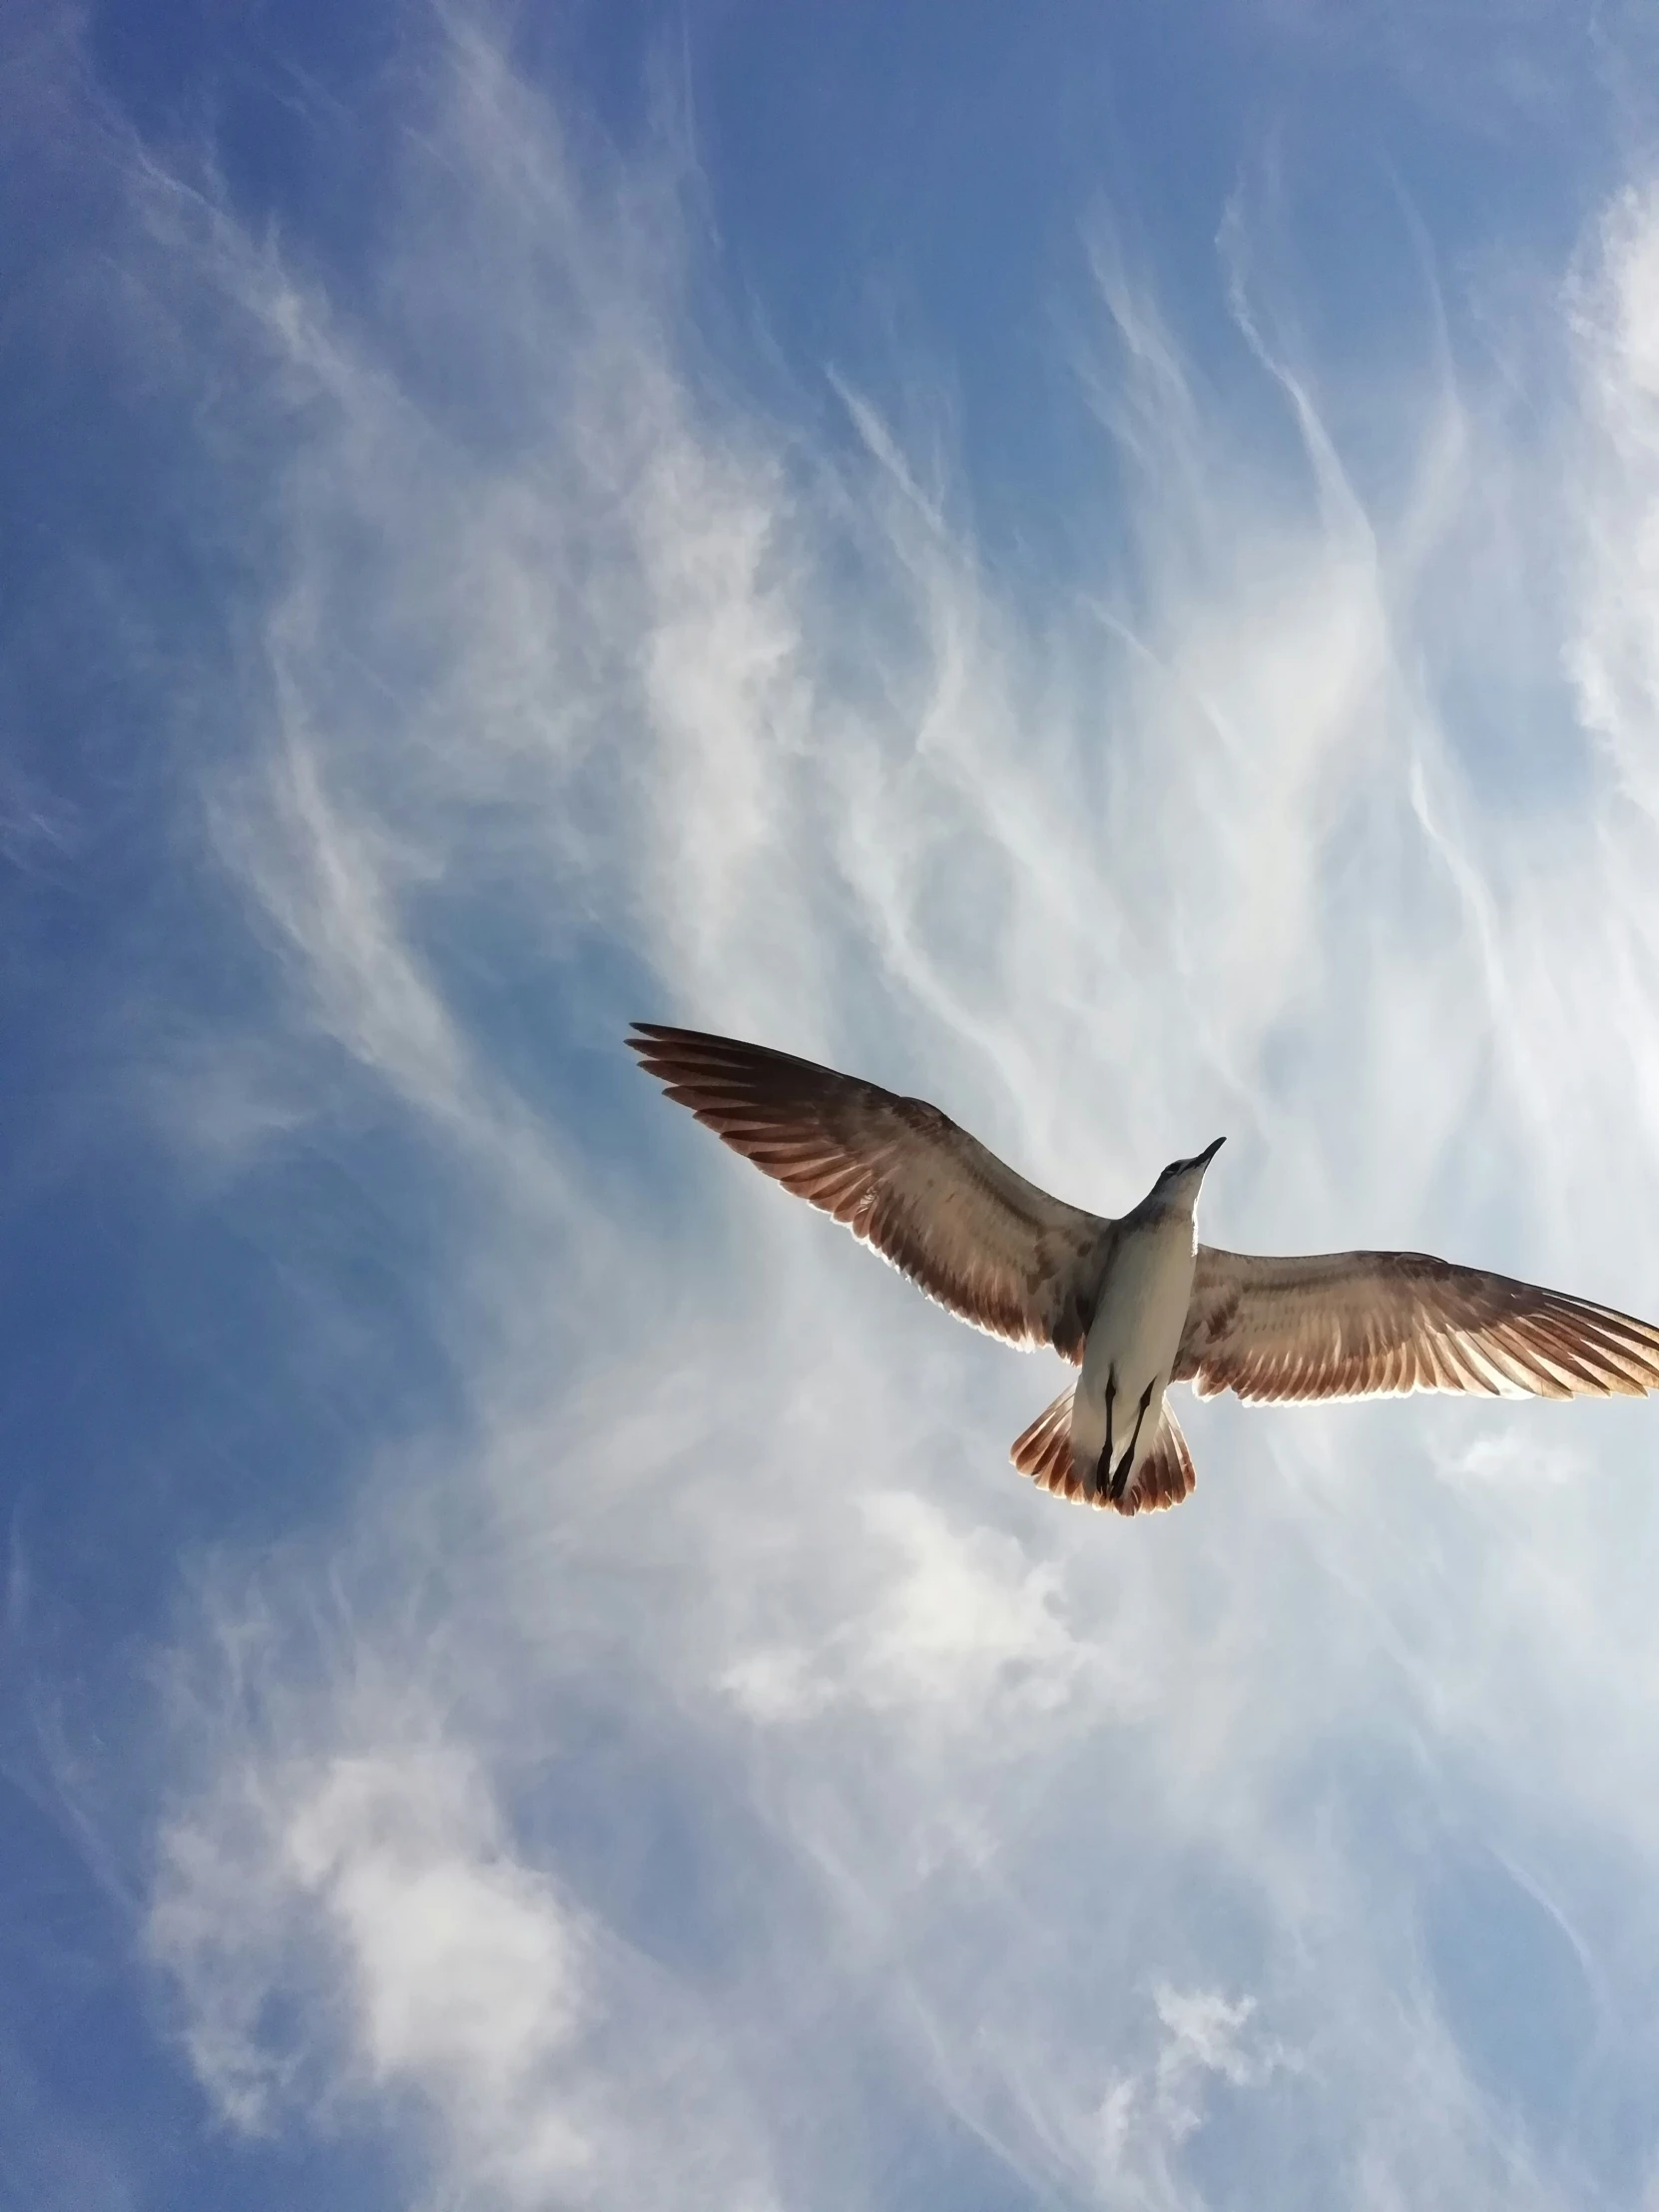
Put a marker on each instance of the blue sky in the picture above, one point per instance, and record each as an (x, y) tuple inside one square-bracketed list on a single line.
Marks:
[(1097, 563)]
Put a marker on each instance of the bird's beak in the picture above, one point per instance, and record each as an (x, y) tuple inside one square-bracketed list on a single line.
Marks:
[(1208, 1154)]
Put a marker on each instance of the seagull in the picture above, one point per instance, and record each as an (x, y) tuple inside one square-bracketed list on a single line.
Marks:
[(1137, 1303)]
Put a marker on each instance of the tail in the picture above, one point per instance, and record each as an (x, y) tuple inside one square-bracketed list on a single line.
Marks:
[(1043, 1452)]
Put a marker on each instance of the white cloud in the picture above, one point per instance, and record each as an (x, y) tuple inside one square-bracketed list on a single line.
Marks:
[(1205, 2037), (465, 1970), (967, 1623), (375, 1897), (1614, 659)]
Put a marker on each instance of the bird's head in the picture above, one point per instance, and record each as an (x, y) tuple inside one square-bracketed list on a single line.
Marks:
[(1177, 1184)]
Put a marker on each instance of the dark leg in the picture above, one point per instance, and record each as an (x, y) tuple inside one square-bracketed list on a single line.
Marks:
[(1103, 1466), (1128, 1459)]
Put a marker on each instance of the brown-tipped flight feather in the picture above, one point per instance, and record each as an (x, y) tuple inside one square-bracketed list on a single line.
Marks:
[(1342, 1324)]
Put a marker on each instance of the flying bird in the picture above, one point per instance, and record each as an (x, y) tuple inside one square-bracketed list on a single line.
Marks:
[(1137, 1303)]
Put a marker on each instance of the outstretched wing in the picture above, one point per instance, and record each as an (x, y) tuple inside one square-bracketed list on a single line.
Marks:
[(902, 1177), (1383, 1323)]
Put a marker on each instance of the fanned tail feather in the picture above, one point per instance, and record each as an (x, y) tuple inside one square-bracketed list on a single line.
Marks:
[(1167, 1474), (1043, 1452)]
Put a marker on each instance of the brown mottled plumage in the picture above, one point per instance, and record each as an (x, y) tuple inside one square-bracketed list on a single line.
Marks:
[(899, 1173), (1342, 1324), (1005, 1256)]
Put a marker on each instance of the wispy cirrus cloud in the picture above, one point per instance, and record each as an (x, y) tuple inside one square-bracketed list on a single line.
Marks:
[(696, 1770)]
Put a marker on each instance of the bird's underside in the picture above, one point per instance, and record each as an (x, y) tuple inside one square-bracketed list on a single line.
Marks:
[(1000, 1252)]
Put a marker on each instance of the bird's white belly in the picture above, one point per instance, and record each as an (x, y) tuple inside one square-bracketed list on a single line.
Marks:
[(1132, 1339)]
